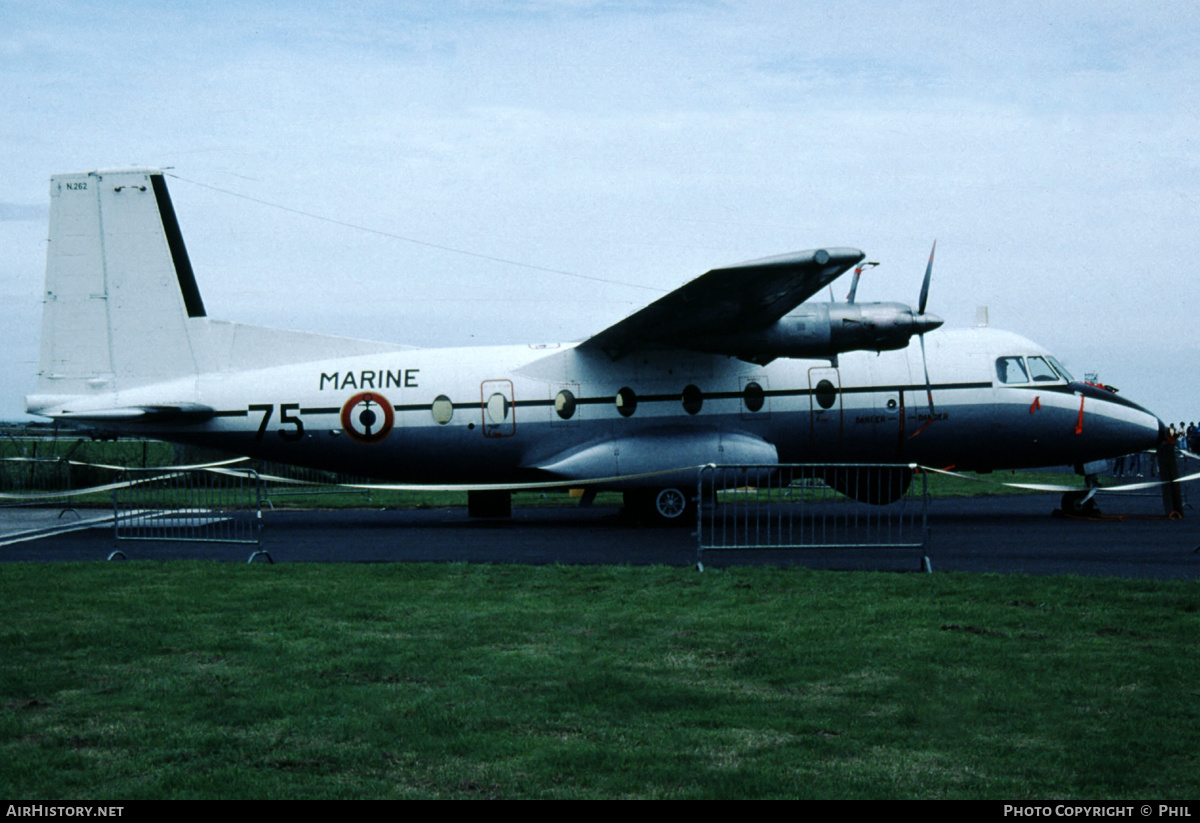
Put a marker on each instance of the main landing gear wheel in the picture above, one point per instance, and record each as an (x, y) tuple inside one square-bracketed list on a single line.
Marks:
[(665, 507), (670, 504)]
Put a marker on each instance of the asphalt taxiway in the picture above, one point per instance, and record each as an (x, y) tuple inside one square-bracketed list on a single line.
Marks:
[(1000, 534)]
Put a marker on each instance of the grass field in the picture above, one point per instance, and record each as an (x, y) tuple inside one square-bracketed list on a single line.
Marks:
[(175, 680)]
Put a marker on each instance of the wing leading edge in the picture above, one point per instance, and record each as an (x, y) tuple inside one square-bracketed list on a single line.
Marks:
[(747, 297)]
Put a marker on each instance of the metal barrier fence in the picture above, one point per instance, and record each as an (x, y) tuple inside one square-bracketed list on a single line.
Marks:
[(805, 506), (35, 475), (310, 482), (199, 505), (46, 465)]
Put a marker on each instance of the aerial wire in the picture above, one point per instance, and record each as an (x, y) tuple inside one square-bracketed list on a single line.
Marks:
[(414, 241)]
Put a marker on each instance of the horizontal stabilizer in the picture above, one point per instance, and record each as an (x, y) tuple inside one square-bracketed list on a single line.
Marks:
[(182, 413)]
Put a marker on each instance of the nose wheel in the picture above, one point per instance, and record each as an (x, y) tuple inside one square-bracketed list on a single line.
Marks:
[(1080, 504)]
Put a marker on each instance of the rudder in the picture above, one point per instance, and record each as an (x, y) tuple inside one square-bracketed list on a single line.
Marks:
[(119, 286)]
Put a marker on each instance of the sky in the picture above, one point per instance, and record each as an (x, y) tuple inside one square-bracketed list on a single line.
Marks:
[(461, 173)]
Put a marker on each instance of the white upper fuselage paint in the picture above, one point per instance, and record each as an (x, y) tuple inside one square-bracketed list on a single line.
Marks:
[(877, 411), (128, 348)]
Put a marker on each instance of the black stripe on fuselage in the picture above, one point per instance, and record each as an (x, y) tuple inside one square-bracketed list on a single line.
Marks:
[(675, 398)]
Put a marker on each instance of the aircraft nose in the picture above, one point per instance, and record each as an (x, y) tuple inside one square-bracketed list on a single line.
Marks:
[(1134, 429), (1151, 432), (1112, 425)]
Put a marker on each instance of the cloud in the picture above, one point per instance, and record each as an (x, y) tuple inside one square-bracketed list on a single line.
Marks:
[(1049, 147)]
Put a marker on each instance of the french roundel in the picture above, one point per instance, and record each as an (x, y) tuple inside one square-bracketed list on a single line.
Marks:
[(368, 417)]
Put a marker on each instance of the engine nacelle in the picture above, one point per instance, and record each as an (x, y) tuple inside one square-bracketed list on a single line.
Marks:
[(825, 330), (876, 326)]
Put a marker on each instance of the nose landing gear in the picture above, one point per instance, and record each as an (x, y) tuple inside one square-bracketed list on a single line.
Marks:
[(1080, 504)]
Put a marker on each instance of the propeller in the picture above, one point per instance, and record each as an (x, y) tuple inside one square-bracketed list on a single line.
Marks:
[(925, 284), (1168, 472), (926, 322)]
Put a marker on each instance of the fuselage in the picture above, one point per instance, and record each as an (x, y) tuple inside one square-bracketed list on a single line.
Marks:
[(718, 370), (535, 413)]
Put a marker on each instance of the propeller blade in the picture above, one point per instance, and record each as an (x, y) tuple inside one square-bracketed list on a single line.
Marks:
[(1168, 473), (925, 285), (928, 383), (926, 323), (928, 391)]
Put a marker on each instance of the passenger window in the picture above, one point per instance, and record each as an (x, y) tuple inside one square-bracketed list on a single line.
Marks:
[(1041, 371), (1011, 370), (754, 397), (626, 401), (497, 408), (693, 399), (826, 394), (564, 404), (442, 409)]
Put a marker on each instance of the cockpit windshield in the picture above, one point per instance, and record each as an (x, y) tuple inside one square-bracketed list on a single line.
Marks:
[(1058, 367), (1041, 371), (1015, 370)]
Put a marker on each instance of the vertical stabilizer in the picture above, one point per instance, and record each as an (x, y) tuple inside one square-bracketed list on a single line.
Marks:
[(119, 286)]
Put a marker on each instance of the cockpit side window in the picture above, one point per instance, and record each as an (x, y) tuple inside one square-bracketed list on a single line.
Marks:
[(1041, 371), (1011, 370)]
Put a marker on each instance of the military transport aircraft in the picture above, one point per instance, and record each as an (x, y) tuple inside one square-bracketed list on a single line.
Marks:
[(734, 367)]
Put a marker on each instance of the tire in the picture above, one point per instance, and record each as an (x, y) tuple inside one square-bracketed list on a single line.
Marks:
[(1073, 503), (670, 506)]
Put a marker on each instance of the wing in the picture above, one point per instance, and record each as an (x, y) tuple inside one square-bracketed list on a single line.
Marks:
[(746, 297)]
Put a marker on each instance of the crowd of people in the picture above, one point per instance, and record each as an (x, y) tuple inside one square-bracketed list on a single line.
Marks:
[(1187, 436)]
